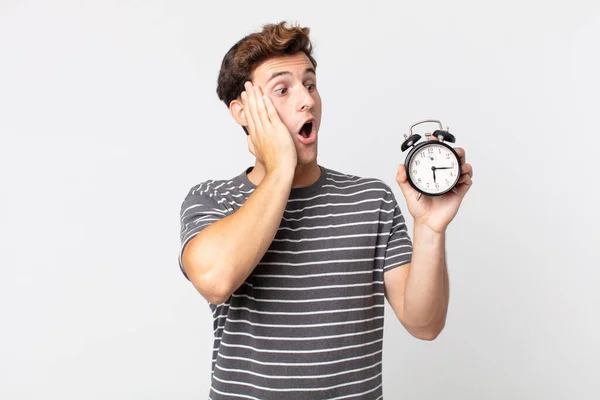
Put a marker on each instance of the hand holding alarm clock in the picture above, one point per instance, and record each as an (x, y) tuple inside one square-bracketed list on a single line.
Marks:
[(434, 178), (433, 167)]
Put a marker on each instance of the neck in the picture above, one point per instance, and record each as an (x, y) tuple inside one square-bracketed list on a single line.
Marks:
[(305, 175)]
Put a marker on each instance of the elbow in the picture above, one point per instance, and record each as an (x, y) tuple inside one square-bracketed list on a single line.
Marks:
[(210, 284), (215, 290), (428, 333), (216, 297)]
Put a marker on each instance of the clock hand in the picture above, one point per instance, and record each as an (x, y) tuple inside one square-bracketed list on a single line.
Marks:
[(434, 168)]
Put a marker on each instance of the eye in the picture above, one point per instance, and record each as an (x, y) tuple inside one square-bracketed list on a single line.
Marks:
[(310, 87), (281, 91)]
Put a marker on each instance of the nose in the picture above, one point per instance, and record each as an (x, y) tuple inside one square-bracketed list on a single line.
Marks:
[(306, 100)]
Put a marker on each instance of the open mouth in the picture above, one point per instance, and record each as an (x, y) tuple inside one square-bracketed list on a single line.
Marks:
[(306, 130), (307, 135)]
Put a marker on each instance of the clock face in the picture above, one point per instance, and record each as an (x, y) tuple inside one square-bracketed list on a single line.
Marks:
[(434, 168)]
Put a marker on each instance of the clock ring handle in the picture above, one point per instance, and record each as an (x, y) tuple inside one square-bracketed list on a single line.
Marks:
[(426, 121)]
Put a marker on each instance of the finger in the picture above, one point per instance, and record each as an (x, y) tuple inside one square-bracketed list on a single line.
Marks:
[(271, 110), (260, 107), (467, 169), (253, 107), (461, 154), (401, 175), (464, 186), (247, 113), (402, 180), (464, 178)]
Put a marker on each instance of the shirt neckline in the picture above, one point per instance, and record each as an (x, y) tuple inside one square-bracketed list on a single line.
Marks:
[(295, 192)]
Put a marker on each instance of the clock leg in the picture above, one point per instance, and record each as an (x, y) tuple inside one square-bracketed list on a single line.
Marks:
[(455, 190), (419, 196)]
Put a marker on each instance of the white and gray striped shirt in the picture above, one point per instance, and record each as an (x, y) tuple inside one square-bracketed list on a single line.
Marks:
[(308, 322)]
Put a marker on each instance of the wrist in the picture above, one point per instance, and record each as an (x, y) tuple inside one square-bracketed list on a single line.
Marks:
[(423, 230), (282, 168), (284, 176)]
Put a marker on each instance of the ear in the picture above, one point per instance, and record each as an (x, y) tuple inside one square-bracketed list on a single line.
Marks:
[(236, 109)]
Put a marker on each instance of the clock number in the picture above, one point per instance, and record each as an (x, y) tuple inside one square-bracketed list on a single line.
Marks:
[(423, 155), (437, 185), (447, 156), (447, 182), (452, 164), (427, 185), (417, 162), (419, 180), (414, 171), (430, 150)]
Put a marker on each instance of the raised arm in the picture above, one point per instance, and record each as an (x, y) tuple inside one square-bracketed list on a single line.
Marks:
[(220, 258)]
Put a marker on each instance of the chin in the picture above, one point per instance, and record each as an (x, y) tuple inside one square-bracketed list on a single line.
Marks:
[(306, 154), (305, 159)]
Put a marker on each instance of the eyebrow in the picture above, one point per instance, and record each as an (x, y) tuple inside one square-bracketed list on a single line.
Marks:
[(279, 73)]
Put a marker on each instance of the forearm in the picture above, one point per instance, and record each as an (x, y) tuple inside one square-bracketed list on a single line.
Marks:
[(427, 288), (220, 258)]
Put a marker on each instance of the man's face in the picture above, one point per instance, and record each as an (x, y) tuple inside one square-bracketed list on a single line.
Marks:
[(290, 82)]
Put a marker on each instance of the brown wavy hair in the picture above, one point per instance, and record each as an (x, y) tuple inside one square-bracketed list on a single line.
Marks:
[(240, 61)]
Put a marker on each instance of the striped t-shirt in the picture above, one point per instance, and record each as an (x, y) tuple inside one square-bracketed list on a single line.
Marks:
[(308, 321)]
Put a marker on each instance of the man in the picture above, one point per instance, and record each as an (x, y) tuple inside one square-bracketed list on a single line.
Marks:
[(295, 258)]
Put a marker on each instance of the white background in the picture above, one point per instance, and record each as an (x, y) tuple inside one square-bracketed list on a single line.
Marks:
[(108, 115)]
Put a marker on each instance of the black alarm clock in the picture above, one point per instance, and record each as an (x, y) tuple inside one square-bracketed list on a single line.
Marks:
[(432, 167)]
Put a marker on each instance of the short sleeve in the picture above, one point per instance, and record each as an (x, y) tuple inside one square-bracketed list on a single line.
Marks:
[(399, 246), (200, 209)]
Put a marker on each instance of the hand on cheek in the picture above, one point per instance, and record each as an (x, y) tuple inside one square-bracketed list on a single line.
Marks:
[(269, 139)]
